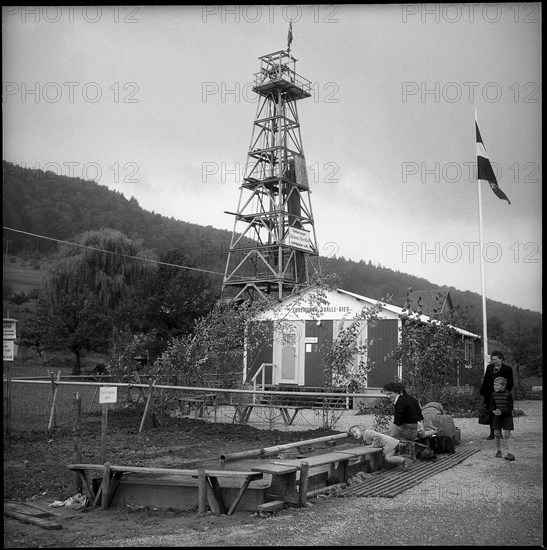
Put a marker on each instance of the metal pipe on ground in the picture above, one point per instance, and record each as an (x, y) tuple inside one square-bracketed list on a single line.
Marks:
[(277, 448), (255, 453)]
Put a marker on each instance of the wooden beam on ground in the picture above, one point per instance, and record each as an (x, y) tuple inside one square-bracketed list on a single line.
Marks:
[(23, 516)]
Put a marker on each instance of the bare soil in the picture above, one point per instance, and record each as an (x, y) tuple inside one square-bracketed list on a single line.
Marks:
[(35, 471)]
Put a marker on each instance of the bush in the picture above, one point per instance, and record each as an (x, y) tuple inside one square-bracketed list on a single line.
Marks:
[(461, 401)]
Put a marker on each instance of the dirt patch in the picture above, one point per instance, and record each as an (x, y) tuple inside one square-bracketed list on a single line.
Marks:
[(35, 471)]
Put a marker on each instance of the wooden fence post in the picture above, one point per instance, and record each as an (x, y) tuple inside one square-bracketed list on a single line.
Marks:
[(104, 430), (55, 388), (7, 401), (148, 403), (76, 433), (303, 495), (202, 490), (106, 486)]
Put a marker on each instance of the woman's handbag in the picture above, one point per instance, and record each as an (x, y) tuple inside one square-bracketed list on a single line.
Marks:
[(484, 416)]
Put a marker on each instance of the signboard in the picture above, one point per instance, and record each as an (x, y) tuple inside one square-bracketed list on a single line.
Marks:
[(301, 172), (311, 339), (9, 350), (10, 329), (108, 394), (299, 238)]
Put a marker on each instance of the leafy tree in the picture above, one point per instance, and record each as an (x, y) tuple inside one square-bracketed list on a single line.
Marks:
[(82, 287), (125, 349), (167, 301), (344, 362), (102, 262), (73, 322), (33, 328), (429, 352), (212, 355), (19, 298), (522, 350), (495, 327)]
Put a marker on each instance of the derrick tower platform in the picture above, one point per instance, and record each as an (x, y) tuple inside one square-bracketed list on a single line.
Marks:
[(273, 251)]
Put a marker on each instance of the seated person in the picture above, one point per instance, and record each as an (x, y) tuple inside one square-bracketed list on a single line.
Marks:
[(407, 412)]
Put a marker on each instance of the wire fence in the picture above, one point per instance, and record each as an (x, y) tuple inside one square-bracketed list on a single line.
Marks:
[(40, 404)]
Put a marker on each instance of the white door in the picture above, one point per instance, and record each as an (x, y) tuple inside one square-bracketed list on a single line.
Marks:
[(287, 352)]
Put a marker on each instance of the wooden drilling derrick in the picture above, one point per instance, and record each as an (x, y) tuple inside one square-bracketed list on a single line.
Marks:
[(273, 251)]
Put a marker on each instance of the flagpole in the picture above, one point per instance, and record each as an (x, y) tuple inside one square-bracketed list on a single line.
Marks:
[(484, 322)]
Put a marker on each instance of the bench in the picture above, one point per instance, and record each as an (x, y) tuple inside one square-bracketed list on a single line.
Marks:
[(242, 412), (209, 487), (283, 486), (197, 404)]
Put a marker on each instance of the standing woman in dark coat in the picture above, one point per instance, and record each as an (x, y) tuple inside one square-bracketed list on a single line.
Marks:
[(493, 370)]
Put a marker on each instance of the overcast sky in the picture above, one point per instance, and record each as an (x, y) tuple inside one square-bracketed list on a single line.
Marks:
[(156, 102)]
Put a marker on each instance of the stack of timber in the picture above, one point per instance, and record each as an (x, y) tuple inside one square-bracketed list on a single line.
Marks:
[(33, 515)]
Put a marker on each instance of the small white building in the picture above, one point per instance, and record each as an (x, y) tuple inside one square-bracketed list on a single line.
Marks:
[(299, 330)]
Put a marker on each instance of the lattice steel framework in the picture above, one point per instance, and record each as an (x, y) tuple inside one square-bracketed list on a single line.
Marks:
[(274, 248)]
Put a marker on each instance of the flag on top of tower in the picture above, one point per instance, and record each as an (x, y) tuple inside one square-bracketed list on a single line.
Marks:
[(484, 167), (289, 37)]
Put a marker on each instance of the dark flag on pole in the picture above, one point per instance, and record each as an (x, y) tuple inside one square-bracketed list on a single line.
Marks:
[(289, 37), (484, 168)]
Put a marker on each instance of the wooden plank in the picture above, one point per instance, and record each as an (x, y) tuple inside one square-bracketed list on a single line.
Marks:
[(288, 418), (233, 473), (99, 493), (320, 460), (217, 491), (202, 491), (23, 508), (360, 451), (287, 498), (32, 520), (213, 500), (152, 470), (106, 486), (271, 506), (276, 468), (88, 487), (239, 496), (304, 469), (149, 402), (114, 486)]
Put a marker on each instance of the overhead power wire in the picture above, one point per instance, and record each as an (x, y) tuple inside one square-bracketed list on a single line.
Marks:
[(110, 252)]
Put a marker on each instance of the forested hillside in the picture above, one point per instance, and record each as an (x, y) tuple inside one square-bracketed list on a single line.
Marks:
[(46, 204)]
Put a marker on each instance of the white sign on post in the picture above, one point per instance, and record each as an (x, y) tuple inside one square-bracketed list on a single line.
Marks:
[(10, 329), (9, 350), (108, 394)]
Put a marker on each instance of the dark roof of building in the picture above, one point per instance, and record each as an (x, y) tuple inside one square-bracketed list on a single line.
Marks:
[(430, 302)]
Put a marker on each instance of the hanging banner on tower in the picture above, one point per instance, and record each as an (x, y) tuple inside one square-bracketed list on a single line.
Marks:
[(301, 172), (299, 238)]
